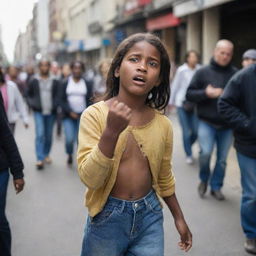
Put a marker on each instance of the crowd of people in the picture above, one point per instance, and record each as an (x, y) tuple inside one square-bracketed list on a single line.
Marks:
[(211, 101), (122, 101)]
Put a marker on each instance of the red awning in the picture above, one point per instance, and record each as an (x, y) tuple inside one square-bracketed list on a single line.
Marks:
[(161, 22), (144, 2)]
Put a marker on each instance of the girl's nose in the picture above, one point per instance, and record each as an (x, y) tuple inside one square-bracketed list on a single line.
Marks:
[(142, 68)]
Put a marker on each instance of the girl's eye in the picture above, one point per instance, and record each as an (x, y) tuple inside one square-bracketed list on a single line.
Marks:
[(134, 59), (153, 64)]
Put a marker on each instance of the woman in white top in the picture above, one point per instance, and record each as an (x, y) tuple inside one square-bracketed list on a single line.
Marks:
[(13, 102), (185, 109), (75, 97)]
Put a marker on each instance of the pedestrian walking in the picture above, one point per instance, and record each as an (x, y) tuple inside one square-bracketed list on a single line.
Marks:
[(185, 109), (75, 97), (125, 148), (10, 160), (205, 88), (13, 102), (43, 98), (237, 106), (249, 57), (99, 84)]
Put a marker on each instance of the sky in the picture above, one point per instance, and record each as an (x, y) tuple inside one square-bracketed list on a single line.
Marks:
[(14, 17)]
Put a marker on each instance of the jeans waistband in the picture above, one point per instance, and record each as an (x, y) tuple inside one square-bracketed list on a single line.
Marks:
[(136, 204)]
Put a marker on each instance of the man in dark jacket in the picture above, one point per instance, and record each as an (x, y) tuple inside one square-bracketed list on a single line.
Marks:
[(9, 160), (237, 106), (205, 88), (43, 98)]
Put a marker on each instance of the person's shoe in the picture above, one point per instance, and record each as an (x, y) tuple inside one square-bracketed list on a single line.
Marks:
[(40, 165), (250, 246), (48, 160), (217, 194), (189, 160), (70, 160), (202, 189)]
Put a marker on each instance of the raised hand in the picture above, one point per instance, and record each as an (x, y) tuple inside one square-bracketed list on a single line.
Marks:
[(119, 116)]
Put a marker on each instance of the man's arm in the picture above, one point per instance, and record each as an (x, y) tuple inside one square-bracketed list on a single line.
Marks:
[(196, 91), (228, 107)]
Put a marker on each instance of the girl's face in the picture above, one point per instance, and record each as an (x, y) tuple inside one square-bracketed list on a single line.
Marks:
[(140, 68)]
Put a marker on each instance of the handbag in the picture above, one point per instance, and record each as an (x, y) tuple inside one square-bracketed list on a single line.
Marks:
[(188, 106)]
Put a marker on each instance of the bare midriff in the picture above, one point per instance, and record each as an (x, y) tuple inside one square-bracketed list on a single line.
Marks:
[(134, 179)]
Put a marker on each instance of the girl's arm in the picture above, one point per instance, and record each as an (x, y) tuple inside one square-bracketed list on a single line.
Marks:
[(96, 148), (166, 183), (180, 223)]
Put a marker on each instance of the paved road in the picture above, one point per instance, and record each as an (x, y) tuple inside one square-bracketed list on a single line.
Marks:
[(47, 219)]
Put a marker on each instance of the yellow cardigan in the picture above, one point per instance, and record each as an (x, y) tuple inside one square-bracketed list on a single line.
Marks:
[(99, 172)]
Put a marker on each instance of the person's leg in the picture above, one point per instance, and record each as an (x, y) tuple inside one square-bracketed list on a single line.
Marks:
[(186, 130), (106, 233), (147, 238), (224, 140), (69, 130), (248, 203), (40, 135), (206, 139), (5, 232), (193, 123), (49, 121)]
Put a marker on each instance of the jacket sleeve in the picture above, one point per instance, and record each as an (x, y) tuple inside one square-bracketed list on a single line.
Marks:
[(63, 99), (228, 107), (20, 105), (93, 166), (196, 90), (175, 86), (166, 180), (9, 146)]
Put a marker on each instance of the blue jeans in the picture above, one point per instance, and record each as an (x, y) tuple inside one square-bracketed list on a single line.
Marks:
[(189, 125), (44, 129), (126, 228), (5, 232), (207, 137), (71, 127), (248, 204)]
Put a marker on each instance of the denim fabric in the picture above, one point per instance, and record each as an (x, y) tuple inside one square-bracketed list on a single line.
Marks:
[(5, 232), (207, 137), (126, 228), (71, 127), (248, 204), (44, 129), (189, 125)]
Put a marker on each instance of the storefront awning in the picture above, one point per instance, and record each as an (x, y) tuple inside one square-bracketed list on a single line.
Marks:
[(161, 22)]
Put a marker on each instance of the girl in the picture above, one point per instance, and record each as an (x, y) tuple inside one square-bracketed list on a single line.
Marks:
[(187, 117), (75, 97), (124, 153)]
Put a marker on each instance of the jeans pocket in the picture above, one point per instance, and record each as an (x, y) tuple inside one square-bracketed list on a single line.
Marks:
[(155, 207), (103, 216)]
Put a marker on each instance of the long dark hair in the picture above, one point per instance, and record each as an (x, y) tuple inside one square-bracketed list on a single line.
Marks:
[(159, 96)]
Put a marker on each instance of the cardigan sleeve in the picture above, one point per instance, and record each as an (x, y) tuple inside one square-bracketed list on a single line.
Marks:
[(166, 180), (93, 166)]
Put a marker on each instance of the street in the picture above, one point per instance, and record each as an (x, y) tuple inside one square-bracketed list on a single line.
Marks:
[(48, 217)]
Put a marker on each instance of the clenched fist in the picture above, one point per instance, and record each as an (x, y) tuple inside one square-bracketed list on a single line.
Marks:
[(119, 116)]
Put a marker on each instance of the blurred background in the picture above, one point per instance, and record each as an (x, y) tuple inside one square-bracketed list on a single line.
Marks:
[(90, 30)]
